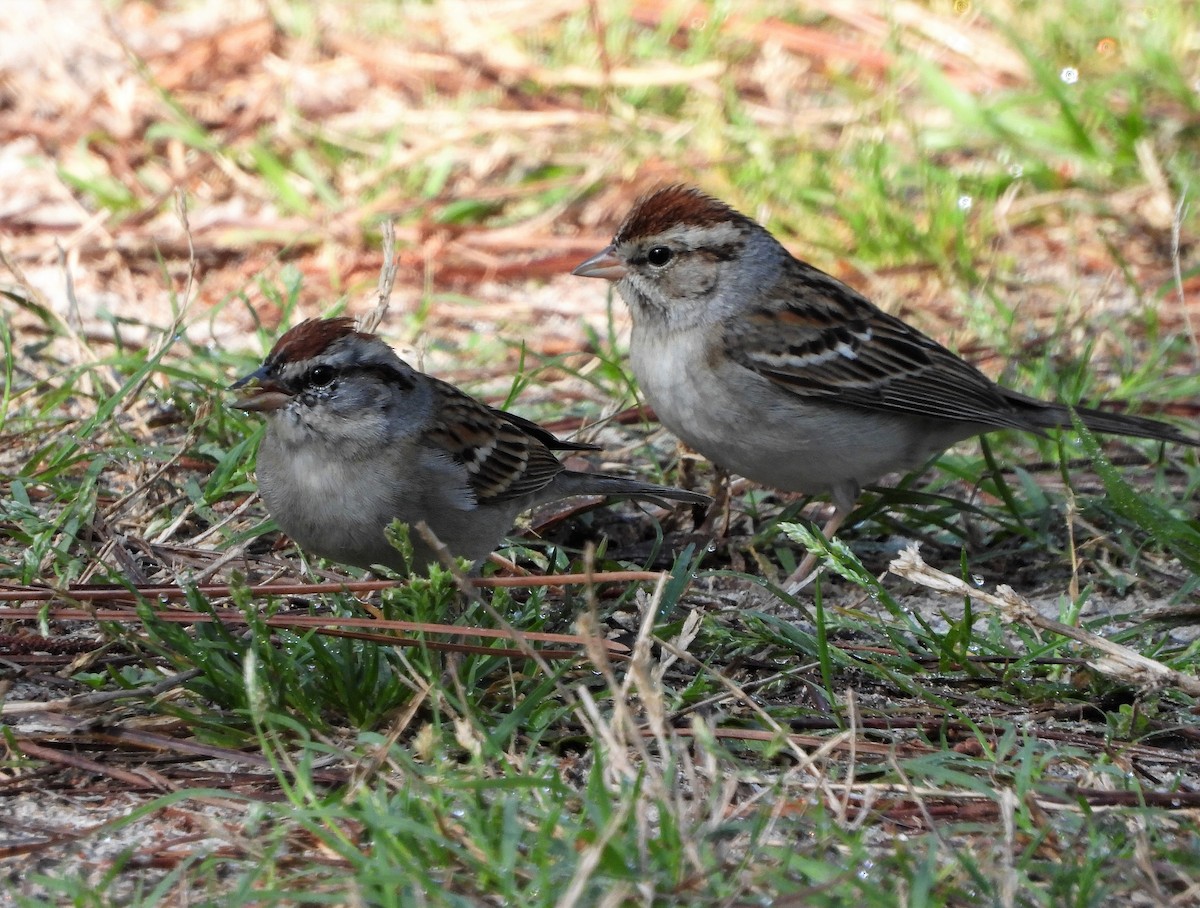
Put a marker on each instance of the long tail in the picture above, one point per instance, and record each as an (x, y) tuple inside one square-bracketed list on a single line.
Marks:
[(1047, 415), (620, 487), (1138, 426)]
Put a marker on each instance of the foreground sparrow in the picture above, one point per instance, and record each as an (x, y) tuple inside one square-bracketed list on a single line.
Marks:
[(357, 438), (775, 370)]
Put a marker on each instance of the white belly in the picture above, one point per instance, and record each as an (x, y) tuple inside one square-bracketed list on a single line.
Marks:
[(339, 508), (750, 426)]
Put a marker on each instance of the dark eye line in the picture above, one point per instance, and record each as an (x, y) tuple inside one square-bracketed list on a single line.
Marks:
[(391, 375), (323, 376), (660, 255)]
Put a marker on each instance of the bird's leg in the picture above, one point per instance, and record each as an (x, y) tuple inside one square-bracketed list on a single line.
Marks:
[(800, 577), (722, 504), (844, 495)]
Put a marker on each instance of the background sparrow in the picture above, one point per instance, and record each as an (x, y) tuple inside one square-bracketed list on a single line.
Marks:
[(357, 438), (775, 370)]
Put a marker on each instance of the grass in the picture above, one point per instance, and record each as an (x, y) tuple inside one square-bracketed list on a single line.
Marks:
[(870, 740)]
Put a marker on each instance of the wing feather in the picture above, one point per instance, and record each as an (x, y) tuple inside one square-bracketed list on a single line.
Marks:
[(826, 341), (504, 460)]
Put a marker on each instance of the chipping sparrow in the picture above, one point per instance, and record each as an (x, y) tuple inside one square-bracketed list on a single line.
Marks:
[(775, 370), (357, 438)]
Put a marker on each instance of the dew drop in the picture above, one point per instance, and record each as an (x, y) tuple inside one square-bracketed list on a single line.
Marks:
[(1016, 171), (977, 580), (965, 202), (1069, 74)]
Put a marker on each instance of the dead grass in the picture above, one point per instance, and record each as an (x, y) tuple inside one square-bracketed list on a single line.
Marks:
[(227, 169)]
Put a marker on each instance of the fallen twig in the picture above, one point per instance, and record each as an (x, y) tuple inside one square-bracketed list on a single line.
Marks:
[(1118, 661)]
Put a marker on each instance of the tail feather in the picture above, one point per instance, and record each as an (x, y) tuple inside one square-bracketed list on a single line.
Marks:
[(1138, 426), (1047, 415), (576, 483)]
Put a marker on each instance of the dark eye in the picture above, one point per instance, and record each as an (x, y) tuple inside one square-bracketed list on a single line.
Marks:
[(659, 255), (320, 376)]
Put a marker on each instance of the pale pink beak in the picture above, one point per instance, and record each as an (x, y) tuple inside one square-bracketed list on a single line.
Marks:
[(603, 264), (262, 400)]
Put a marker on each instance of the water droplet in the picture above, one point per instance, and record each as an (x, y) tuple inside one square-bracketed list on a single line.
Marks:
[(1016, 171), (965, 202), (977, 580), (711, 547), (1069, 74)]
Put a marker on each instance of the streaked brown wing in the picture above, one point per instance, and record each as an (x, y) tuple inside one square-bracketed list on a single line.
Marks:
[(544, 435), (830, 342), (503, 461)]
